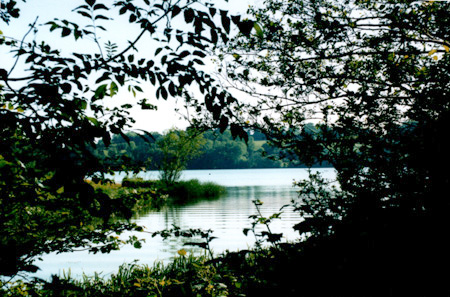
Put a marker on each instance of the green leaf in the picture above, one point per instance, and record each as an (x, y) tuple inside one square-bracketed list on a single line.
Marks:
[(101, 91), (53, 27), (259, 31), (4, 163), (83, 104), (113, 89), (94, 121)]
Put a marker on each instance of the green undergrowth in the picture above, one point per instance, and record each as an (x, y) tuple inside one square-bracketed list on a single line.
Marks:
[(244, 273), (184, 276)]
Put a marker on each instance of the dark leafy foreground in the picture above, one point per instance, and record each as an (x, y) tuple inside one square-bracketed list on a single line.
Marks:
[(375, 254), (248, 274)]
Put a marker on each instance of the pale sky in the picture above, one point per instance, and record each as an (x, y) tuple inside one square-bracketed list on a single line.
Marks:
[(161, 120)]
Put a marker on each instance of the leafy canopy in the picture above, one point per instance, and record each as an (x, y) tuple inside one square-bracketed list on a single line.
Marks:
[(54, 112), (373, 77)]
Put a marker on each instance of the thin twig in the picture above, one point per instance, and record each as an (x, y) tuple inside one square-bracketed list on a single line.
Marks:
[(21, 44)]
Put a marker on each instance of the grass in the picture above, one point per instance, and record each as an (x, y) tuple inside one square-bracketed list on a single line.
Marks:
[(194, 189), (245, 273), (180, 191), (184, 276)]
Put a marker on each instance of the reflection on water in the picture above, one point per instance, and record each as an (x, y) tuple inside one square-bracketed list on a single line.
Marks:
[(226, 216)]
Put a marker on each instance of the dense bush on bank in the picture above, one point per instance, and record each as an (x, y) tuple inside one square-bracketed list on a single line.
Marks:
[(139, 199)]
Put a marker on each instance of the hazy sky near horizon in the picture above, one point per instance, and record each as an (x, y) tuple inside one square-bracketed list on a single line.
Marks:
[(46, 10)]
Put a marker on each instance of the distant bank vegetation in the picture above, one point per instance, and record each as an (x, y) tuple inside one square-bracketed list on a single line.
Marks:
[(218, 151)]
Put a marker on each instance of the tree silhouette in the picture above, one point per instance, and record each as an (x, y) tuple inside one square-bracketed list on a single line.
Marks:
[(373, 78)]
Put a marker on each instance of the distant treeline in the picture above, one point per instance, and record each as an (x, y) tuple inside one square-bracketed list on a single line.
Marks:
[(218, 151)]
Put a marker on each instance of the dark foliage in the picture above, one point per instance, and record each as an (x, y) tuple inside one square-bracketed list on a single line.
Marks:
[(53, 116), (374, 79)]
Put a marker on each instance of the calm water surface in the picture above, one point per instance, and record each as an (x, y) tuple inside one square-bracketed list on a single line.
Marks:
[(226, 216)]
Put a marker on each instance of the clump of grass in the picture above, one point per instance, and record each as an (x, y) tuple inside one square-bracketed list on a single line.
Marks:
[(194, 189), (181, 190)]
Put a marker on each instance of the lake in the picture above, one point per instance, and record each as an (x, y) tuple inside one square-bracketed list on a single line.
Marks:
[(227, 216)]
